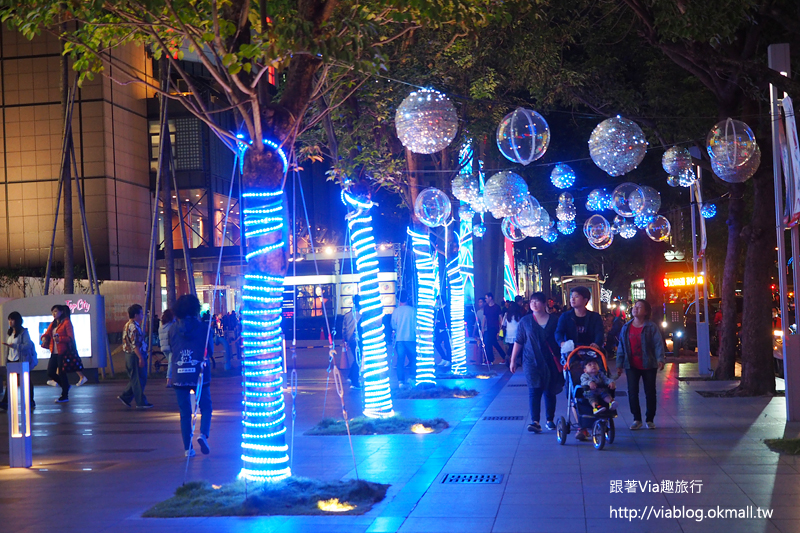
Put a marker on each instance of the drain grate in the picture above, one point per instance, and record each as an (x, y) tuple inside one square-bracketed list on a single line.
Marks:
[(517, 385), (503, 417), (472, 479)]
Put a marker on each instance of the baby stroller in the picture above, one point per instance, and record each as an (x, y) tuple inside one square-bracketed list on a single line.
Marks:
[(579, 407)]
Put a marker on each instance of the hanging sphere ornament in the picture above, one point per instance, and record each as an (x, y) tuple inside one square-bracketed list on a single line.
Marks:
[(599, 200), (465, 212), (642, 220), (566, 227), (566, 198), (562, 176), (603, 243), (739, 174), (479, 230), (432, 207), (596, 228), (708, 211), (731, 142), (523, 136), (675, 160), (550, 235), (479, 205), (466, 188), (627, 230), (618, 221), (511, 230), (687, 177), (426, 122), (659, 229), (566, 211), (646, 201), (673, 181), (505, 193), (617, 145), (528, 213), (544, 221), (620, 199)]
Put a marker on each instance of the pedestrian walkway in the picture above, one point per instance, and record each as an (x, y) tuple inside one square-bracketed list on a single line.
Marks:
[(98, 465)]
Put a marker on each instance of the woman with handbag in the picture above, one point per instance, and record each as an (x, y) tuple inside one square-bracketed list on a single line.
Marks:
[(536, 342), (20, 349), (60, 340)]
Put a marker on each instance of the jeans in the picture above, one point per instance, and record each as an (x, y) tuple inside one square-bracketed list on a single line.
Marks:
[(354, 374), (60, 377), (442, 344), (406, 349), (535, 394), (649, 378), (4, 401), (137, 380), (185, 407), (491, 343)]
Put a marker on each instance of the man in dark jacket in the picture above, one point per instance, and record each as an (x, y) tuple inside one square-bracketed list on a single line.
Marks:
[(191, 346), (583, 328)]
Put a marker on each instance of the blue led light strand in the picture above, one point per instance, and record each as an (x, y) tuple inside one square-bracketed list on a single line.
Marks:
[(465, 262), (427, 287), (374, 357), (263, 405), (458, 331)]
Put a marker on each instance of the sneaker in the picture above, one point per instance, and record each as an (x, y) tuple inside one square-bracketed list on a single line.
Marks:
[(127, 404), (62, 399), (82, 381), (52, 383), (651, 425), (535, 427), (636, 424), (598, 409), (613, 405), (145, 406), (582, 435), (550, 425), (189, 453), (203, 442)]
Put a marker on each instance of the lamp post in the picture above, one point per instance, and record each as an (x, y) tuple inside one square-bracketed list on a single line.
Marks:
[(19, 415)]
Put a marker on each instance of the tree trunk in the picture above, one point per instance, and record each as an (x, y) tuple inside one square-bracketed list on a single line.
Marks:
[(758, 375), (69, 249), (730, 319), (169, 245)]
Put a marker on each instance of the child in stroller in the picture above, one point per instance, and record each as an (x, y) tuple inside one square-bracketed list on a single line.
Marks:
[(599, 386)]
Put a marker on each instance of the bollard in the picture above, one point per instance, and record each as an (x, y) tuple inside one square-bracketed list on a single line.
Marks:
[(19, 415)]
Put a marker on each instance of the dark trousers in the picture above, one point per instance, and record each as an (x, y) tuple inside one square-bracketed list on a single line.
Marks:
[(535, 394), (490, 343), (137, 380), (4, 401), (406, 349), (185, 408), (354, 374), (442, 345), (649, 378), (59, 377)]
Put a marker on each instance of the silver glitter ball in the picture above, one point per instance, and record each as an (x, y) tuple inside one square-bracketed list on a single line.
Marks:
[(617, 146), (426, 122), (466, 188), (675, 160), (504, 193)]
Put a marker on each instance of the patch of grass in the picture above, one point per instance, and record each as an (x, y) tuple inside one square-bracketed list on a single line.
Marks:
[(292, 496), (787, 446), (439, 391), (375, 426)]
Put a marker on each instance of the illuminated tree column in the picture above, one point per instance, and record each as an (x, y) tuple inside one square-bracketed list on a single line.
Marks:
[(465, 260), (264, 449), (427, 287), (510, 289), (374, 363), (458, 333)]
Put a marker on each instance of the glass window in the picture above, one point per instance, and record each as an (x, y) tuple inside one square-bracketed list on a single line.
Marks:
[(312, 300), (154, 130), (233, 230)]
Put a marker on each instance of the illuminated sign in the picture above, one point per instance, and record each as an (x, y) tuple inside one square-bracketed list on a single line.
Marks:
[(682, 281)]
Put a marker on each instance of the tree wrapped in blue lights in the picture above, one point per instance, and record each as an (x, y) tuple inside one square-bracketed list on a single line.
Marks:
[(374, 363), (264, 449), (427, 288), (458, 332)]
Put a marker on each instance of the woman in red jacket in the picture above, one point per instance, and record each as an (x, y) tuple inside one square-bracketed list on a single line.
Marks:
[(60, 340)]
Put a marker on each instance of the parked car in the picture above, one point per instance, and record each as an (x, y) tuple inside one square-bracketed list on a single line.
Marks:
[(687, 337)]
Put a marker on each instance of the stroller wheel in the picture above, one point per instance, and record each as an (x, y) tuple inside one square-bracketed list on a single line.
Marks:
[(610, 431), (599, 434), (561, 430)]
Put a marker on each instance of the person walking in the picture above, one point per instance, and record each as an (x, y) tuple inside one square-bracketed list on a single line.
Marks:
[(135, 360), (640, 354), (20, 350), (510, 323), (352, 336), (167, 321), (491, 327), (583, 328), (535, 341), (187, 339), (441, 338), (59, 338), (404, 323)]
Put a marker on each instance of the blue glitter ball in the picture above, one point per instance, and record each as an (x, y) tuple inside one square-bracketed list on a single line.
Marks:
[(566, 227), (708, 211), (562, 176), (642, 220), (599, 200), (550, 235)]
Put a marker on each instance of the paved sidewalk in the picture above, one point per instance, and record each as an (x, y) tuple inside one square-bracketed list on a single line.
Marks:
[(99, 465)]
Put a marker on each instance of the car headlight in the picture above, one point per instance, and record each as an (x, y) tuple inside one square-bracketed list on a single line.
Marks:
[(778, 333)]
